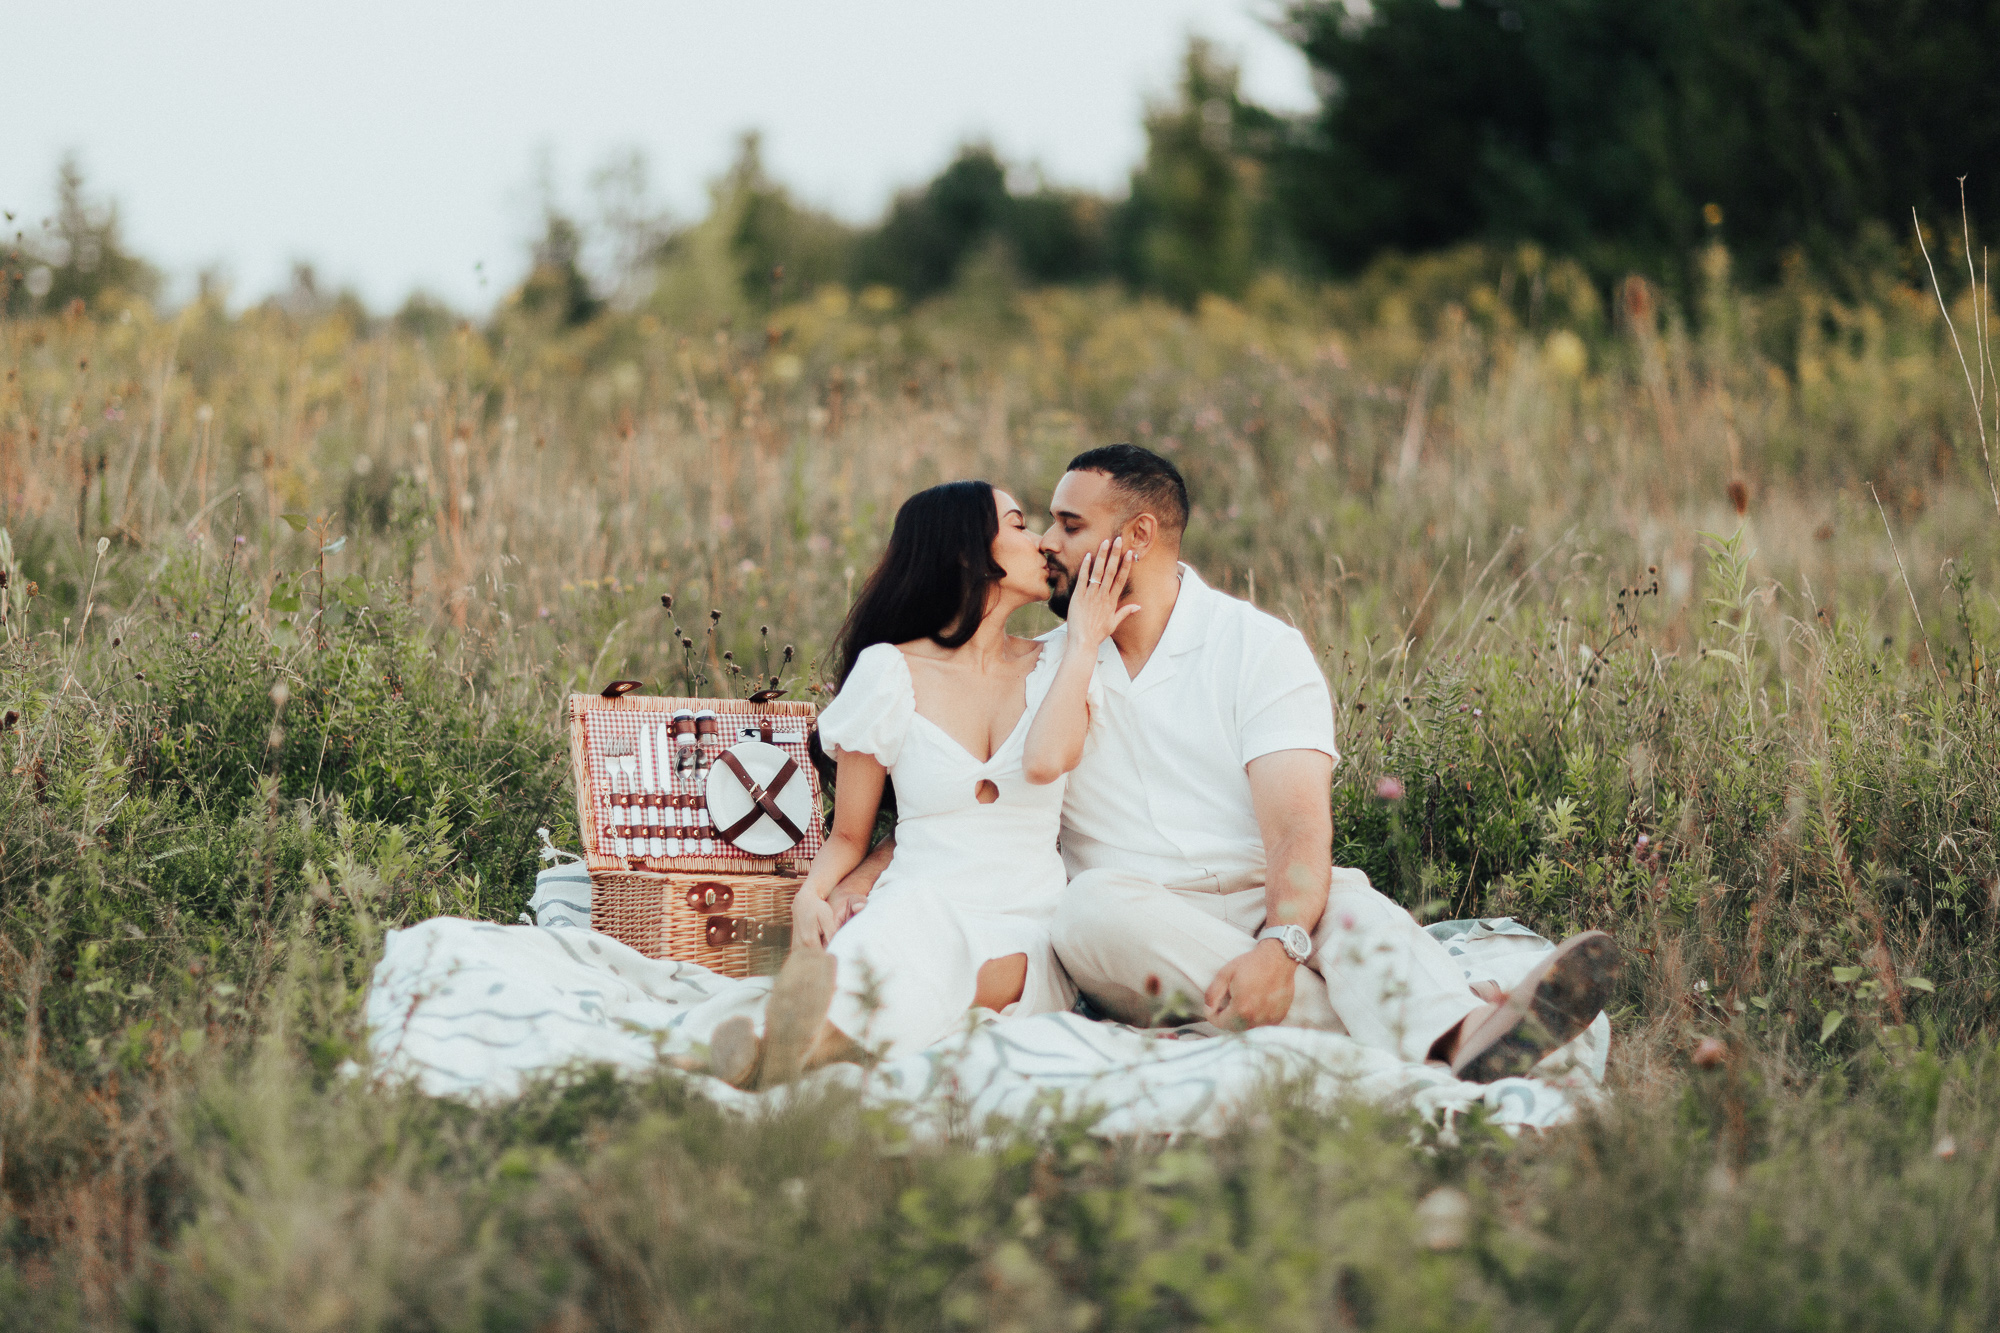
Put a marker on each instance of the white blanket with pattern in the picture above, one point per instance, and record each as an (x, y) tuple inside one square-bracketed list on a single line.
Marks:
[(471, 1010)]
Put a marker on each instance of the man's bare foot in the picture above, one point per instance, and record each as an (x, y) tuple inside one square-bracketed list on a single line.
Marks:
[(1553, 1003)]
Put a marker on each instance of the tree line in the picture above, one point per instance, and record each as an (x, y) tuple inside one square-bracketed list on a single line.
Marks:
[(1621, 135)]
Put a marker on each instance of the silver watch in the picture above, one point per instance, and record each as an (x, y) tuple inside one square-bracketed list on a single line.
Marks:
[(1293, 939)]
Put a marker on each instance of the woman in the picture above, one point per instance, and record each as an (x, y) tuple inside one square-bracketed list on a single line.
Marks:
[(976, 730)]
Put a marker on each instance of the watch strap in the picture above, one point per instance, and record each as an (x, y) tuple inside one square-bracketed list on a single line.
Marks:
[(1283, 935)]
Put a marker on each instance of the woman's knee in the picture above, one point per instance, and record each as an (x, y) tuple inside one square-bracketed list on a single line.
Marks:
[(1000, 981)]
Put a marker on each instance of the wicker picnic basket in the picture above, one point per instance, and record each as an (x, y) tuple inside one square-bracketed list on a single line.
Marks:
[(667, 874)]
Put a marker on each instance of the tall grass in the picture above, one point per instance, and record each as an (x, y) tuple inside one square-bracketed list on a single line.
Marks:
[(1674, 623)]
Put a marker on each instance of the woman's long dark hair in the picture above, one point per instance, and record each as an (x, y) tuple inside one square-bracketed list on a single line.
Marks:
[(933, 580)]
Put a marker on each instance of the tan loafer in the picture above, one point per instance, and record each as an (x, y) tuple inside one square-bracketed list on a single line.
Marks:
[(795, 1014), (1553, 1003), (733, 1052)]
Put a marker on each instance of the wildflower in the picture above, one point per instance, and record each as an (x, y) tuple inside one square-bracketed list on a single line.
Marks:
[(1388, 789), (1444, 1219), (1709, 1052), (1947, 1148)]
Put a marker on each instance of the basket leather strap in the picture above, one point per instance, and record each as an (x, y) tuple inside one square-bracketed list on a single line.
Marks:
[(761, 803)]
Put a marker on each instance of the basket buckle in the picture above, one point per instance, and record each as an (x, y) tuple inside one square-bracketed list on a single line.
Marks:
[(710, 895), (727, 930)]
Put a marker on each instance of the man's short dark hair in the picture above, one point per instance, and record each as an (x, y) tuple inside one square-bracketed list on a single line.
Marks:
[(1152, 483)]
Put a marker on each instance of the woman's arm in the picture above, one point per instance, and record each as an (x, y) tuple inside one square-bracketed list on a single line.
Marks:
[(857, 796), (1055, 740)]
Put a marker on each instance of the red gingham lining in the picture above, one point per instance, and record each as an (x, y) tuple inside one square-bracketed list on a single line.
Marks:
[(615, 731)]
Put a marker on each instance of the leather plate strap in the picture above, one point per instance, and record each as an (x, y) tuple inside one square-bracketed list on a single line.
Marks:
[(761, 803)]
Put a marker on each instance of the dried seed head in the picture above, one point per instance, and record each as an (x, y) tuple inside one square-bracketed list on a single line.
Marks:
[(788, 652), (729, 657), (666, 601), (1739, 496), (9, 718), (714, 616)]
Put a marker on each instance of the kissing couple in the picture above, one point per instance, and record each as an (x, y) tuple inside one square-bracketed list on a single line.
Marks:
[(1135, 806)]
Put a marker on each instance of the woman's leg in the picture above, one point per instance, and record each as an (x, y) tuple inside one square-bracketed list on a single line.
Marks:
[(906, 971), (1000, 981)]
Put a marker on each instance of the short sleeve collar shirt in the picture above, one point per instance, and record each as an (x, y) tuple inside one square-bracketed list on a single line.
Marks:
[(1161, 790)]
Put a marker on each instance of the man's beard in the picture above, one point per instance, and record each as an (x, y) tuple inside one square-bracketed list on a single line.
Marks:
[(1061, 584)]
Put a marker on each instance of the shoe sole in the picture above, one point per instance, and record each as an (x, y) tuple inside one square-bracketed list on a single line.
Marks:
[(1571, 990), (732, 1052), (795, 1014)]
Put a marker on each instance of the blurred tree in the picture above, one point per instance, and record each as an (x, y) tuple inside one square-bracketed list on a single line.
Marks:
[(78, 255), (925, 241), (1623, 132), (781, 249), (556, 285), (1196, 220), (758, 247)]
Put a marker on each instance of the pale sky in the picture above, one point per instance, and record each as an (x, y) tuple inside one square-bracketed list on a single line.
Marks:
[(394, 143)]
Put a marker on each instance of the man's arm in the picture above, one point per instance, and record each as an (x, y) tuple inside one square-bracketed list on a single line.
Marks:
[(1289, 792)]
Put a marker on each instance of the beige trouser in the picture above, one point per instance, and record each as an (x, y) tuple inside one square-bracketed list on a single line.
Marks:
[(1374, 973)]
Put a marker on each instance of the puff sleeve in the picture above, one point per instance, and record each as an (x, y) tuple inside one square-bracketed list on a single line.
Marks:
[(871, 714)]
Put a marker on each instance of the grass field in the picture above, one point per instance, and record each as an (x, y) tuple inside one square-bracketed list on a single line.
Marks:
[(1674, 622)]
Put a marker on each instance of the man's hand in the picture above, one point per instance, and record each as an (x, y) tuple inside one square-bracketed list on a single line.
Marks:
[(846, 901), (1253, 990), (813, 921)]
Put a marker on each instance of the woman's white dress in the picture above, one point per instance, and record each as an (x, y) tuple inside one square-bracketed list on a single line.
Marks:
[(968, 883)]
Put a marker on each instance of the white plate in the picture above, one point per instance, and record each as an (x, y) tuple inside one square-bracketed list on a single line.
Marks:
[(728, 802)]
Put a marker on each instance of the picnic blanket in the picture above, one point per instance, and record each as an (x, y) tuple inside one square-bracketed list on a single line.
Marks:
[(472, 1010)]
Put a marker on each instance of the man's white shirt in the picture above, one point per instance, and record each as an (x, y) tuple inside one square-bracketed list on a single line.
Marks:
[(1161, 790)]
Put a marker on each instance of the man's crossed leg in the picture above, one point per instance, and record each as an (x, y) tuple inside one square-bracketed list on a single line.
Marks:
[(1131, 944)]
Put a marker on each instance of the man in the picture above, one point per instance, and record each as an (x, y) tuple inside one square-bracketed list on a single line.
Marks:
[(1198, 833)]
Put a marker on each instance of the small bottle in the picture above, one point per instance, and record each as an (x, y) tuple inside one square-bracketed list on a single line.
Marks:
[(706, 730)]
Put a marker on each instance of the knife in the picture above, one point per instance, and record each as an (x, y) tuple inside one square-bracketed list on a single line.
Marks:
[(635, 808), (658, 816), (646, 785)]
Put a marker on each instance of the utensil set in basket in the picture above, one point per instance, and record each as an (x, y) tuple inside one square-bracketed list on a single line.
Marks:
[(698, 818)]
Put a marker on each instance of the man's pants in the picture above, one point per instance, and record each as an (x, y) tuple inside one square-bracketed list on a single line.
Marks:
[(1129, 943)]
